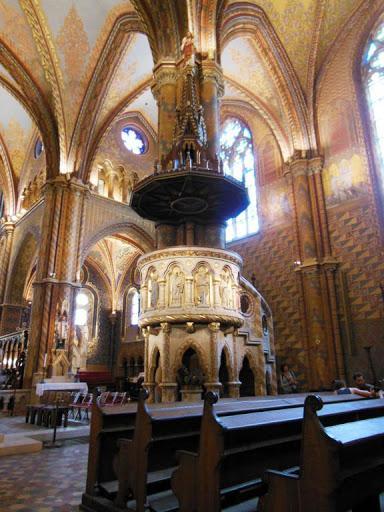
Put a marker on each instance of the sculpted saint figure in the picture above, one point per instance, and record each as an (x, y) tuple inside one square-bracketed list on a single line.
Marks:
[(177, 288), (202, 286), (188, 48), (225, 290), (154, 290)]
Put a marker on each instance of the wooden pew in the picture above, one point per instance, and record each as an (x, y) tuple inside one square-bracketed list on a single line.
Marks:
[(108, 425), (177, 426), (234, 451), (341, 468)]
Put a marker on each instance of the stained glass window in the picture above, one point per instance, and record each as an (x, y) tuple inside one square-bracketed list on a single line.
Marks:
[(1, 203), (373, 78), (236, 151), (133, 140), (39, 147)]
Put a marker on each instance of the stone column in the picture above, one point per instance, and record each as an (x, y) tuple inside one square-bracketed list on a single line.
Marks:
[(212, 88), (56, 274), (164, 90), (8, 230), (214, 384), (322, 340), (234, 389), (168, 386)]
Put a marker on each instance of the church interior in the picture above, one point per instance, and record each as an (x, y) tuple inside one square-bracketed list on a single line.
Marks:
[(191, 237)]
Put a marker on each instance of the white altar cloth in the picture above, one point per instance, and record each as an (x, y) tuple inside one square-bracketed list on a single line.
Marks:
[(59, 386)]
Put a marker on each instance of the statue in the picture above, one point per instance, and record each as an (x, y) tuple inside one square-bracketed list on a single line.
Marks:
[(154, 289), (177, 288), (188, 49), (225, 290), (202, 286), (61, 325)]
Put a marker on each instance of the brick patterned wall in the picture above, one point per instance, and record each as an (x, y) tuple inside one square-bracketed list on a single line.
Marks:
[(352, 210), (270, 256)]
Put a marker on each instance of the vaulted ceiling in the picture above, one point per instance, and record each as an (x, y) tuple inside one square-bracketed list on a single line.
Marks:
[(70, 68)]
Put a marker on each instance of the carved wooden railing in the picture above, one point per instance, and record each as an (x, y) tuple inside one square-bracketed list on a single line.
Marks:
[(13, 352)]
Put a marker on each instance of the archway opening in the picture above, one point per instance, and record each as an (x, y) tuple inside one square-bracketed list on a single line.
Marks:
[(190, 374), (157, 378), (224, 376), (247, 379)]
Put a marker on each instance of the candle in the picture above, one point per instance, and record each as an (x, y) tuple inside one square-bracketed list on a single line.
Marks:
[(45, 360)]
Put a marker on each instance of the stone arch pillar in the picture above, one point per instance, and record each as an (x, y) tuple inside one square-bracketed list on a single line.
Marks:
[(57, 274)]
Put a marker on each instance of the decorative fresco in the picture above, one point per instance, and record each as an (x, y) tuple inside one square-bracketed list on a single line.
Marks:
[(16, 32), (15, 129), (298, 41), (345, 174), (113, 257), (240, 59), (275, 204), (336, 15), (135, 68), (344, 180)]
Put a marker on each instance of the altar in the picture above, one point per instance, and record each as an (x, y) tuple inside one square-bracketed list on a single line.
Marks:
[(61, 386)]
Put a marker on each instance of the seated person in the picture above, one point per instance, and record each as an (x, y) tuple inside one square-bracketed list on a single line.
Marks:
[(341, 389), (288, 382), (359, 381)]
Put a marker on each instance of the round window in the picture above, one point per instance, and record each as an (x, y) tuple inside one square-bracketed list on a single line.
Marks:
[(133, 140)]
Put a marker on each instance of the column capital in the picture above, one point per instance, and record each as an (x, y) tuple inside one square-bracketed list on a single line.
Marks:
[(212, 72), (214, 327), (164, 73), (166, 327), (315, 165), (7, 227), (300, 165), (66, 181)]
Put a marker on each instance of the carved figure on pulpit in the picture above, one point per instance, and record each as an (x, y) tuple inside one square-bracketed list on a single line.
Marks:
[(153, 289), (225, 290), (188, 49), (176, 287), (202, 283)]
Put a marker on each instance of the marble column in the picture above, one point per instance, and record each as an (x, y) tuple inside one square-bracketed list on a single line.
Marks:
[(57, 274)]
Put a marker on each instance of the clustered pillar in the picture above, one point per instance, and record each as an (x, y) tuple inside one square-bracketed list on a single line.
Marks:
[(57, 278), (316, 268)]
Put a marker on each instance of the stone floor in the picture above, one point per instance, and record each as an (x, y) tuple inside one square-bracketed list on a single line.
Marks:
[(49, 481)]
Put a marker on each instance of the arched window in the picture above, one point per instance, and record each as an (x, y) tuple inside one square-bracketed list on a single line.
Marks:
[(236, 151), (82, 309), (1, 203), (135, 307), (373, 79)]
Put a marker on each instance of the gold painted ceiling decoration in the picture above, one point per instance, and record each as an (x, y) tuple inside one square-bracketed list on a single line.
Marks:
[(68, 68), (113, 257)]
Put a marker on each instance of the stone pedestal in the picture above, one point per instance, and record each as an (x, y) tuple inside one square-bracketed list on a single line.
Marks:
[(191, 393), (234, 389)]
